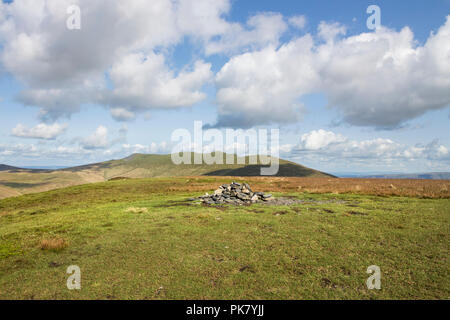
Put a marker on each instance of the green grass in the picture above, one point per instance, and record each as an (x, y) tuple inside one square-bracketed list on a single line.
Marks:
[(316, 250)]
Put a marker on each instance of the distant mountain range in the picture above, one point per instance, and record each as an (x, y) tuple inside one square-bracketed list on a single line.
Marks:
[(427, 176), (45, 167), (4, 167)]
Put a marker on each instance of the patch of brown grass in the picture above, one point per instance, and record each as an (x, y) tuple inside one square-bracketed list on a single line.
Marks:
[(53, 244), (437, 189), (137, 210)]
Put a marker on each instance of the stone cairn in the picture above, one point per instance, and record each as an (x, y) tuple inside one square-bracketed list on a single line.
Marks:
[(235, 193)]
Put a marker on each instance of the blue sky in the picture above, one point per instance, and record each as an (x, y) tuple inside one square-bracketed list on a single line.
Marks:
[(344, 97)]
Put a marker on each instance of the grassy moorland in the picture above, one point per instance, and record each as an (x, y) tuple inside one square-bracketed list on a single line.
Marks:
[(139, 239)]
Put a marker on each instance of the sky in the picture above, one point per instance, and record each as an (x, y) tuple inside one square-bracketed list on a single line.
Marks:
[(345, 96)]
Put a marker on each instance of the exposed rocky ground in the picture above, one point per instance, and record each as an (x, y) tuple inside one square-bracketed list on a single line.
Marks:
[(237, 194)]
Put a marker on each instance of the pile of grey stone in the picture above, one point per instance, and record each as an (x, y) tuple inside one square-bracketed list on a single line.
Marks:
[(237, 194)]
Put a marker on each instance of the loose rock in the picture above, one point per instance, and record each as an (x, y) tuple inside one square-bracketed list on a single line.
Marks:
[(235, 193)]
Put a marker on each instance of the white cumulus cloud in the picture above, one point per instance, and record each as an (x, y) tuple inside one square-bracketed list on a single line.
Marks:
[(97, 140), (144, 82), (62, 69), (298, 22), (318, 139), (40, 131), (380, 79), (262, 87), (330, 146), (120, 58), (261, 30), (122, 114), (383, 78)]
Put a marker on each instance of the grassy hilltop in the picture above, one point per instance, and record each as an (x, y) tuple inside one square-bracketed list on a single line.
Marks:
[(140, 239), (16, 181), (152, 165)]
